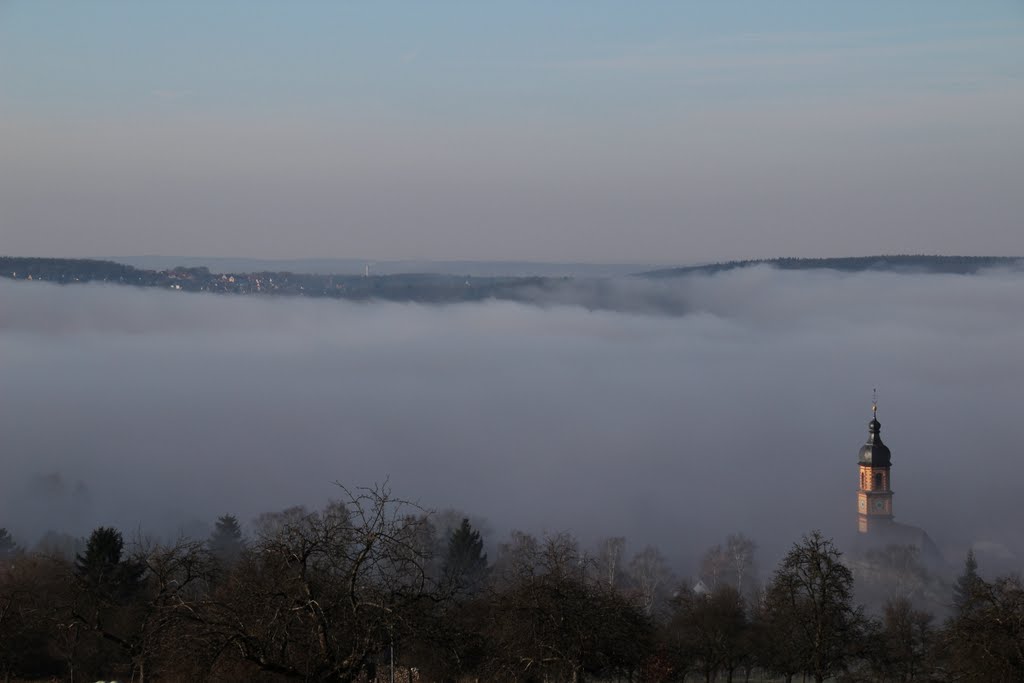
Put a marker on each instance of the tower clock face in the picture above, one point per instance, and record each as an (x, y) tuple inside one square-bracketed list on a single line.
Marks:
[(879, 505), (863, 504)]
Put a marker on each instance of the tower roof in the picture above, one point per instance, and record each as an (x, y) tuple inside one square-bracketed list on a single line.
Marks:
[(874, 452)]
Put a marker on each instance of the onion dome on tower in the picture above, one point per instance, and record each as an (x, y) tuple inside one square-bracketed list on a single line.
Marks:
[(874, 452)]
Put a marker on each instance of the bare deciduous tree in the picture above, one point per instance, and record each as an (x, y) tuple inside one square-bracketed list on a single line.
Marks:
[(608, 560), (714, 566), (550, 622), (652, 577), (740, 550), (809, 606), (711, 630), (319, 595)]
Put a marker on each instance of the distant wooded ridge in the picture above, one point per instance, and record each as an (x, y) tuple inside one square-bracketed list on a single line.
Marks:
[(438, 287), (426, 288), (962, 265)]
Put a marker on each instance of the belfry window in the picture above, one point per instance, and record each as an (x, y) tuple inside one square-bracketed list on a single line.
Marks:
[(878, 481)]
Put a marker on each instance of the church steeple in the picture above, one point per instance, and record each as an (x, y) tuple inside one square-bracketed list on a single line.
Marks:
[(874, 452), (874, 497)]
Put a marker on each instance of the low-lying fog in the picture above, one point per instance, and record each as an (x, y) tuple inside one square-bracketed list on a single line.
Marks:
[(743, 412)]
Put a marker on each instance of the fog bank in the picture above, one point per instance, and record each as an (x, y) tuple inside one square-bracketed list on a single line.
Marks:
[(742, 411)]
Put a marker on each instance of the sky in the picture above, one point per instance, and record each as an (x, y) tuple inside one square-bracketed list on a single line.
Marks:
[(581, 131), (741, 411)]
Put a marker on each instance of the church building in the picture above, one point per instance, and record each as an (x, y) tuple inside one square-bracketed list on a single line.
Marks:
[(874, 498), (875, 523)]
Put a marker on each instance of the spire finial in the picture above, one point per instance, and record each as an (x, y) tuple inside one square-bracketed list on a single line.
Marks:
[(874, 402)]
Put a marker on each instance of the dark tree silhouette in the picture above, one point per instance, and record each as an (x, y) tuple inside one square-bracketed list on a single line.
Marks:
[(226, 541), (985, 640), (907, 640), (548, 622), (711, 630), (967, 585), (321, 595), (465, 565), (339, 593), (8, 548), (103, 569), (809, 605), (104, 606), (28, 590)]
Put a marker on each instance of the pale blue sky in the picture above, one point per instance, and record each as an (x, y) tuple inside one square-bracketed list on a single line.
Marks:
[(600, 131)]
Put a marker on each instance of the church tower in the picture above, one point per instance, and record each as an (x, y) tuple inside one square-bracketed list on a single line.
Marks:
[(874, 498)]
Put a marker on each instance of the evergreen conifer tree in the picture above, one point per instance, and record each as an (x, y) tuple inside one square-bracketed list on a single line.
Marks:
[(966, 586), (226, 542), (103, 569), (466, 564)]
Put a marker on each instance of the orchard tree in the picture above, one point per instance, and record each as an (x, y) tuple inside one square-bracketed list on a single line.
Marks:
[(148, 626), (547, 621), (711, 630), (907, 639), (322, 595), (809, 609)]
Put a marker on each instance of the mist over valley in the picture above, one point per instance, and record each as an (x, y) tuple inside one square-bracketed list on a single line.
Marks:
[(692, 408)]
